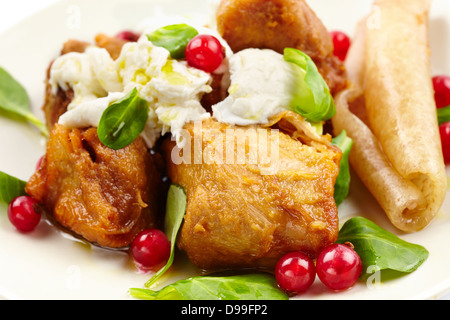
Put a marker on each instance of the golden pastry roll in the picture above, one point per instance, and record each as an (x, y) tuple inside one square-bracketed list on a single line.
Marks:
[(390, 114)]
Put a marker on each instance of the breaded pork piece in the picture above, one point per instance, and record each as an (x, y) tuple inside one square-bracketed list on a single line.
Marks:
[(276, 25), (112, 44), (106, 196), (239, 215)]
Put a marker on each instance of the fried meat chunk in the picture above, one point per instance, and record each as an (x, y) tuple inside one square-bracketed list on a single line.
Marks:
[(240, 215), (100, 194), (112, 44), (106, 196), (276, 25)]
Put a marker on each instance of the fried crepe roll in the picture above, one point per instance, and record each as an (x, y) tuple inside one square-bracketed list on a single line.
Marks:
[(391, 115), (106, 196), (244, 213), (278, 24)]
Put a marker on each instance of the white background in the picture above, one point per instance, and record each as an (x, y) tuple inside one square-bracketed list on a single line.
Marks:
[(12, 12)]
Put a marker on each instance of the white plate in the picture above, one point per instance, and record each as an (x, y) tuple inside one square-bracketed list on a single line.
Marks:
[(49, 265)]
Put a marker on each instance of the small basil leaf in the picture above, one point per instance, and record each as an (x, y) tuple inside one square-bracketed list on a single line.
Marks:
[(240, 287), (174, 38), (443, 115), (10, 187), (312, 99), (380, 249), (175, 211), (342, 185), (123, 121), (14, 100)]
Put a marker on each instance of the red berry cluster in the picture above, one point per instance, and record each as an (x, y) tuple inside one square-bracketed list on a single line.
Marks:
[(338, 266), (441, 85)]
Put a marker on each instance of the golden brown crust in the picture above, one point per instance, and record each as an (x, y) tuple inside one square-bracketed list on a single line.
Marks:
[(240, 216), (106, 196), (273, 24), (276, 25), (55, 105), (73, 45), (391, 115), (112, 44)]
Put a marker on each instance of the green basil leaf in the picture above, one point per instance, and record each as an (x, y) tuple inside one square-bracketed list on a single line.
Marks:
[(380, 249), (342, 185), (443, 115), (14, 101), (10, 187), (174, 38), (123, 121), (175, 211), (312, 99), (240, 287)]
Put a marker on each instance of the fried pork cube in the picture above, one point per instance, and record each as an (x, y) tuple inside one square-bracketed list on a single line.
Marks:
[(103, 195), (276, 25), (112, 44), (100, 194), (250, 214)]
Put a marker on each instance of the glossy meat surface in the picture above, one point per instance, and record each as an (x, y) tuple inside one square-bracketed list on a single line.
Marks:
[(105, 196), (238, 215), (276, 25)]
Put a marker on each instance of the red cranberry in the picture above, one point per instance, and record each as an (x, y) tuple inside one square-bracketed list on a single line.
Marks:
[(295, 272), (341, 44), (441, 86), (128, 36), (150, 248), (204, 52), (444, 131), (24, 213), (338, 266)]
